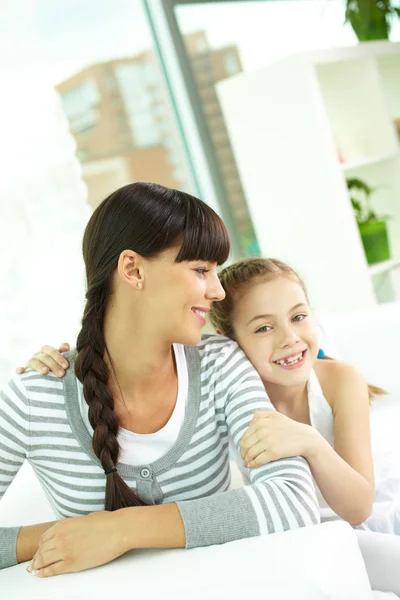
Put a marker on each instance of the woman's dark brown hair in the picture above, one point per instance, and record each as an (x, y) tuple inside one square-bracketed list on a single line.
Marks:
[(148, 219)]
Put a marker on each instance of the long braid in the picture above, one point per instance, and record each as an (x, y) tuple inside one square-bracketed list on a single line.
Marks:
[(93, 372)]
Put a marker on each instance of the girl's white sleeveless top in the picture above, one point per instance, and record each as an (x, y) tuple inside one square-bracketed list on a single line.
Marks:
[(321, 418), (385, 440)]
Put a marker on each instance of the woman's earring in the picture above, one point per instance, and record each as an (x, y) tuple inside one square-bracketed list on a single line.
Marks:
[(139, 284)]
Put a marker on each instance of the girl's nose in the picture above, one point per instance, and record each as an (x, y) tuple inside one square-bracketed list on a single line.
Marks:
[(289, 337)]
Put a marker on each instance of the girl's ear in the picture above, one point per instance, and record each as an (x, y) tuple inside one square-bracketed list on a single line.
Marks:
[(220, 332)]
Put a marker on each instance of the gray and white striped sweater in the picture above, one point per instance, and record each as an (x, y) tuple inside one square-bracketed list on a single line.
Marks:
[(40, 421)]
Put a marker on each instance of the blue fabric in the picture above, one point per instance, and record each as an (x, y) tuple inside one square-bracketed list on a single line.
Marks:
[(321, 353)]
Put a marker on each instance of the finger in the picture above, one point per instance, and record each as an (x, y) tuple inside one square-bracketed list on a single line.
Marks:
[(44, 558), (262, 459), (253, 439), (37, 365), (57, 568), (261, 414), (257, 426), (248, 433), (254, 451), (55, 355), (252, 428), (243, 451), (20, 370), (43, 363), (64, 347), (48, 535), (245, 446)]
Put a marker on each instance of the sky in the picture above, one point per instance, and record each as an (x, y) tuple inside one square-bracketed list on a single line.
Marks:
[(60, 37), (76, 33)]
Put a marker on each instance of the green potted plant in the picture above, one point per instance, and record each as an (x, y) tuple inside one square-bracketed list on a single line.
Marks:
[(371, 19), (373, 229)]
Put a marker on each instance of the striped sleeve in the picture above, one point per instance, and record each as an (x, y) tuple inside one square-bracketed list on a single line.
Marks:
[(281, 495), (14, 444)]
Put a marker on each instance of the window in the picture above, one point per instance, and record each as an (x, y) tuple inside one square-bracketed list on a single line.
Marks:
[(231, 64), (80, 105)]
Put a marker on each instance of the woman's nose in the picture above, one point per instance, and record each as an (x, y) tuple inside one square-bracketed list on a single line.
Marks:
[(215, 291)]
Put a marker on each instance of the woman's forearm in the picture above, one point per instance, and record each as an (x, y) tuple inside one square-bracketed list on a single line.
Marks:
[(347, 492), (28, 540), (151, 527)]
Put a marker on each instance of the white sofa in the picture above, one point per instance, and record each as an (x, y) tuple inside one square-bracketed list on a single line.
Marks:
[(315, 563)]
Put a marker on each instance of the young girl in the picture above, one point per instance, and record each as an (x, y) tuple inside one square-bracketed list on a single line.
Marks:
[(134, 439), (322, 406)]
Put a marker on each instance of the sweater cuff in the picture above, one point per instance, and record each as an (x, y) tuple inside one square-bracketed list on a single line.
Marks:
[(8, 546), (218, 519)]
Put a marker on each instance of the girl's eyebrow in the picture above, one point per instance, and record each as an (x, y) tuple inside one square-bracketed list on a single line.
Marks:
[(266, 316)]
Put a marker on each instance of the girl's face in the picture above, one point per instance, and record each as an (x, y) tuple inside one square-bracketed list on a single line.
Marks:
[(274, 326)]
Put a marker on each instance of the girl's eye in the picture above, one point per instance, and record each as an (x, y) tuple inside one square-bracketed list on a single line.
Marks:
[(264, 329), (299, 317)]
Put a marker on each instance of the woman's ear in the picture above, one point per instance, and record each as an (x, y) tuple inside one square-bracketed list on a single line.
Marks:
[(220, 332), (130, 269)]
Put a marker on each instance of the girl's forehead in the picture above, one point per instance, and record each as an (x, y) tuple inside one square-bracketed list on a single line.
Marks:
[(276, 294)]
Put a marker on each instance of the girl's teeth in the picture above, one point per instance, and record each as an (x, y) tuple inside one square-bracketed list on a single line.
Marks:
[(290, 361)]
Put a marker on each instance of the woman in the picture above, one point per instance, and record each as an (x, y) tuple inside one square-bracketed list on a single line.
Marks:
[(140, 424)]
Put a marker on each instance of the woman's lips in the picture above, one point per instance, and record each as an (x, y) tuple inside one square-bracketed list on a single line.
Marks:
[(200, 315)]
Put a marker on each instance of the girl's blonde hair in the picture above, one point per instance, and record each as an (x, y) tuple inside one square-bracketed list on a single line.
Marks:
[(239, 277)]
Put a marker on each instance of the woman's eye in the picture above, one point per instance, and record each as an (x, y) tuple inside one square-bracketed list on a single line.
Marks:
[(202, 271), (299, 317), (264, 329)]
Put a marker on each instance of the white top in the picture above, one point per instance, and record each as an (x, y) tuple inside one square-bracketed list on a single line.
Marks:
[(139, 448), (385, 422), (321, 418)]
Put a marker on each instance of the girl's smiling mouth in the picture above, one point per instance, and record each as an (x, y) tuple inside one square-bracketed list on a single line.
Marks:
[(293, 361)]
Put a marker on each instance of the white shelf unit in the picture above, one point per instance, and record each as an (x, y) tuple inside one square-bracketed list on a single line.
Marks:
[(299, 127), (370, 160)]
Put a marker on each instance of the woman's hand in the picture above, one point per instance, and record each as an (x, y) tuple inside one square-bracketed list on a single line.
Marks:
[(271, 436), (48, 359), (79, 543)]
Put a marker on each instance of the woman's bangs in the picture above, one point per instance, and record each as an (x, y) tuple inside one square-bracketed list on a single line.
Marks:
[(205, 237)]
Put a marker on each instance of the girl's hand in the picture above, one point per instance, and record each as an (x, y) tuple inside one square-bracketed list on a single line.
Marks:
[(271, 436), (48, 359), (77, 544)]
